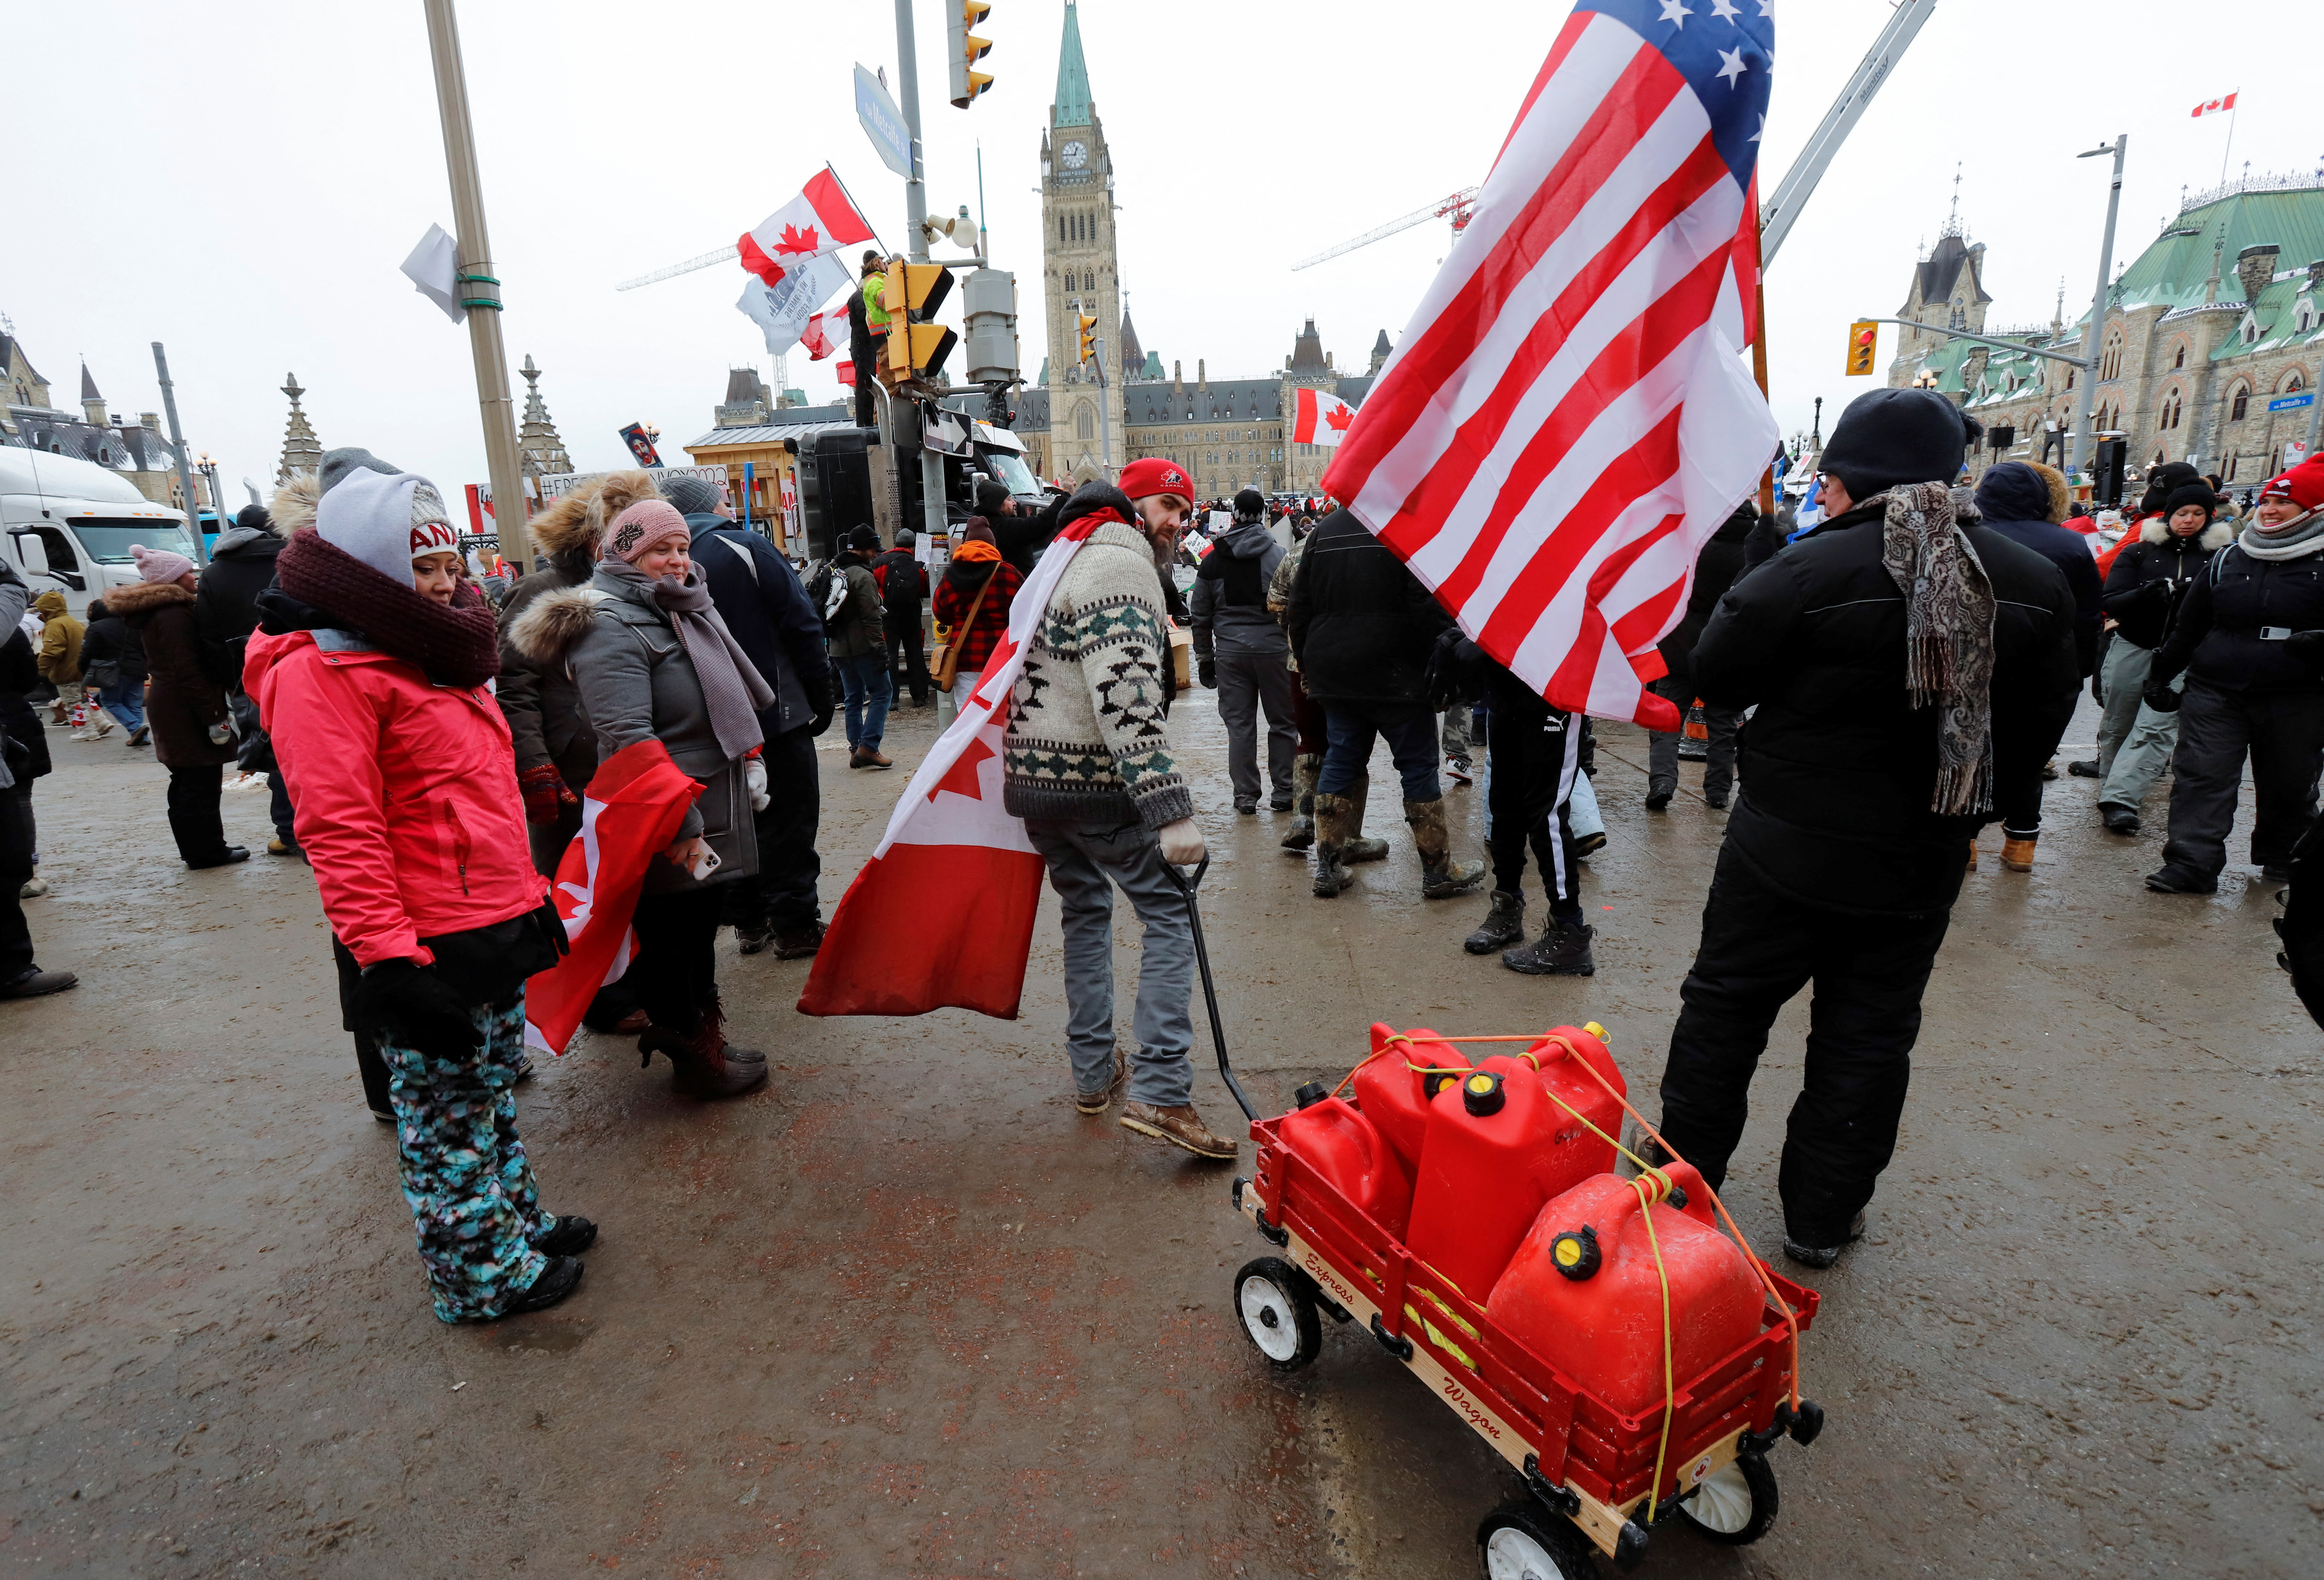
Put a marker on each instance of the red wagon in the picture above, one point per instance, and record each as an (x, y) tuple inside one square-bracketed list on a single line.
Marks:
[(1592, 1469)]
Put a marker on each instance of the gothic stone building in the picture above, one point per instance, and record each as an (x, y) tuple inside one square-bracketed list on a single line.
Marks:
[(2221, 315), (1227, 433)]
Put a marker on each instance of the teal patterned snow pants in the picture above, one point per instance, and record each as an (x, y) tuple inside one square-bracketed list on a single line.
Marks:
[(475, 1206)]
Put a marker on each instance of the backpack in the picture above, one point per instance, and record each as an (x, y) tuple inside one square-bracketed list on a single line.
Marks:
[(827, 589)]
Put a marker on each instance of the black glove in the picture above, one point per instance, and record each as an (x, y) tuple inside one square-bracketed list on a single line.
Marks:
[(415, 1008), (820, 723), (2159, 696), (2307, 649), (1206, 671)]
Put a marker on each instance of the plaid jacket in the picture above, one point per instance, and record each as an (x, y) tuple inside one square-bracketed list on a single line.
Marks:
[(951, 607)]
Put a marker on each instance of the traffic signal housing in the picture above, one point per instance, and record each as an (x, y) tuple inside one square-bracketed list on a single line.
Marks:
[(1088, 337), (966, 50), (1863, 339), (916, 346)]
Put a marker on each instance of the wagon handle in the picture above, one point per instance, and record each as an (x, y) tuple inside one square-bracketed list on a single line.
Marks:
[(1187, 886)]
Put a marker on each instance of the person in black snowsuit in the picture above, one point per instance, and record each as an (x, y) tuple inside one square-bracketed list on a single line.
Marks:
[(1848, 846), (903, 588), (2249, 690)]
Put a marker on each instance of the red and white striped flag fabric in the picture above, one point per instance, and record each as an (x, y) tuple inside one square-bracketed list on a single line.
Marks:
[(817, 336), (2215, 105), (1320, 417), (631, 810), (941, 915), (1567, 419), (817, 220)]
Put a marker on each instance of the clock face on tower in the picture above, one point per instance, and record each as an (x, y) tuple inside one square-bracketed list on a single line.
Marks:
[(1077, 154)]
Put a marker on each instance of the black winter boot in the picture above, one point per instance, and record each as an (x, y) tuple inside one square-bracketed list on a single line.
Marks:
[(1659, 791), (1503, 925), (1562, 950)]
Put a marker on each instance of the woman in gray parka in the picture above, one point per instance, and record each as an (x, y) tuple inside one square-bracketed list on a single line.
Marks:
[(653, 661)]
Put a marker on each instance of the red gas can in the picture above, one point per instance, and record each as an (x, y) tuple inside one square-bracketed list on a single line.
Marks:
[(1582, 1292), (1496, 1149), (1393, 1096), (1346, 1148), (1579, 1095)]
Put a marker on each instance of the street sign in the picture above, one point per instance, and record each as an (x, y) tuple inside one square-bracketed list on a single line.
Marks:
[(2290, 402), (883, 123)]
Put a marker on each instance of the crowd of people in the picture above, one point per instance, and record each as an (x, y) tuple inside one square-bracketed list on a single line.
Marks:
[(1883, 682)]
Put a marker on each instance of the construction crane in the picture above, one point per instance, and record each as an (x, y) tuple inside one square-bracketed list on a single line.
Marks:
[(1459, 208), (675, 270)]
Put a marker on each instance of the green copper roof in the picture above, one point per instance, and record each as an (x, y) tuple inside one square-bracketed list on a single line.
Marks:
[(1153, 368), (1071, 107)]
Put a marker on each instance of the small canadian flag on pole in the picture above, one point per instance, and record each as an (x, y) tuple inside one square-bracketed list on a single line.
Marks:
[(817, 336), (818, 221), (1322, 418), (2214, 106)]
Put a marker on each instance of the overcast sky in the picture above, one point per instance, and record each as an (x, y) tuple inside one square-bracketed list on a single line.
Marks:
[(241, 179)]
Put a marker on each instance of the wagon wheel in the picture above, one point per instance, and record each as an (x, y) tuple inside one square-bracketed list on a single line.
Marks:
[(1521, 1540), (1736, 1503), (1277, 1307)]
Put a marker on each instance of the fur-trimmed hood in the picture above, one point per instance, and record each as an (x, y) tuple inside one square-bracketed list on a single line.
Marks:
[(145, 596), (2157, 530), (553, 622), (293, 507)]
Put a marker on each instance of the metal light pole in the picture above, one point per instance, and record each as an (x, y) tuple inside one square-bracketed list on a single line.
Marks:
[(178, 443), (916, 210), (2083, 438), (480, 290), (1105, 416)]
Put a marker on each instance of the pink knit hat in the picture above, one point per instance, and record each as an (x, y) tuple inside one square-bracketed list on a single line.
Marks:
[(159, 564), (644, 525)]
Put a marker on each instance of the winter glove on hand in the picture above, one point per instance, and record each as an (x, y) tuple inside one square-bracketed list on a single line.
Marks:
[(1182, 843), (754, 780), (1207, 671), (545, 795), (2307, 649), (415, 1008), (2159, 696)]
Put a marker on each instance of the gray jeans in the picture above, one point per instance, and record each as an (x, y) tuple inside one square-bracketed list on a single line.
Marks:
[(1662, 746), (2122, 678), (1085, 866), (1249, 682), (2140, 759)]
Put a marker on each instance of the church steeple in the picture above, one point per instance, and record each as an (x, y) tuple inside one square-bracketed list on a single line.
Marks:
[(1071, 106)]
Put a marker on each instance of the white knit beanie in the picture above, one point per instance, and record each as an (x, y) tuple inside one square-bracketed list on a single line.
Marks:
[(384, 519)]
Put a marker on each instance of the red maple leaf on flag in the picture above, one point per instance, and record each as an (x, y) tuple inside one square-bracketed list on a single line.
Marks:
[(961, 778), (794, 240), (1339, 417)]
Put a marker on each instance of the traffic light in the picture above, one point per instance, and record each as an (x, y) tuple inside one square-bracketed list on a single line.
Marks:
[(1863, 336), (967, 50), (917, 347), (1089, 337)]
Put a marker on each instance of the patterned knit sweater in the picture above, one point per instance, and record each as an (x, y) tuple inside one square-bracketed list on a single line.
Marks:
[(1086, 741)]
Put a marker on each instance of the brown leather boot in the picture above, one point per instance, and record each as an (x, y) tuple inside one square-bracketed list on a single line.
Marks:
[(1180, 1126), (1440, 875), (2017, 855), (703, 1064), (1972, 855)]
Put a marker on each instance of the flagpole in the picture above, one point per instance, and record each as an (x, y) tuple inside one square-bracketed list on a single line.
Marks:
[(1759, 341), (2230, 148)]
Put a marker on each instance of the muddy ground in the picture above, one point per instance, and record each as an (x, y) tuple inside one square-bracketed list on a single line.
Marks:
[(903, 1313)]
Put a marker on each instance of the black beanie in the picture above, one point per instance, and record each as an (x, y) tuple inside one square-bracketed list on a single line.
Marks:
[(1251, 503), (2189, 494), (1888, 438), (256, 518), (862, 539), (991, 496), (2163, 482)]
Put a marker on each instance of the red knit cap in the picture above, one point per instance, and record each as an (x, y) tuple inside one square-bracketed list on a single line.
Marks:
[(2303, 484), (1143, 478)]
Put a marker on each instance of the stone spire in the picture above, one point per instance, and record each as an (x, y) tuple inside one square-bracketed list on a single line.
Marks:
[(538, 443), (92, 404), (1381, 349), (301, 450)]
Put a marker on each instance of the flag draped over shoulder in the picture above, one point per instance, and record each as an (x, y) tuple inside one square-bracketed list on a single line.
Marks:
[(632, 809), (941, 915), (1567, 417)]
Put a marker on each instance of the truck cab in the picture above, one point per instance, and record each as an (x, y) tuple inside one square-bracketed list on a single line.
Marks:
[(66, 524)]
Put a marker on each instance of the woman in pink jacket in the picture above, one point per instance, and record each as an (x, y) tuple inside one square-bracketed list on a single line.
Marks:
[(370, 672)]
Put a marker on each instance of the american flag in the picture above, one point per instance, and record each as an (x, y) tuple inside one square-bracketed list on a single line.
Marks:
[(1567, 417)]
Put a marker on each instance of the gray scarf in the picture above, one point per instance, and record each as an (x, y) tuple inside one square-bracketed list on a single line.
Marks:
[(1948, 635), (2295, 540), (732, 690)]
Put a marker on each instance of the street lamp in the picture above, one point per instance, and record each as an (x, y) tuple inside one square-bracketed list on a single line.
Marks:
[(209, 471)]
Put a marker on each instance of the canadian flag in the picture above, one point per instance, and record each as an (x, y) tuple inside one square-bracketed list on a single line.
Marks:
[(632, 811), (817, 336), (955, 873), (817, 220), (1321, 419), (2214, 106)]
